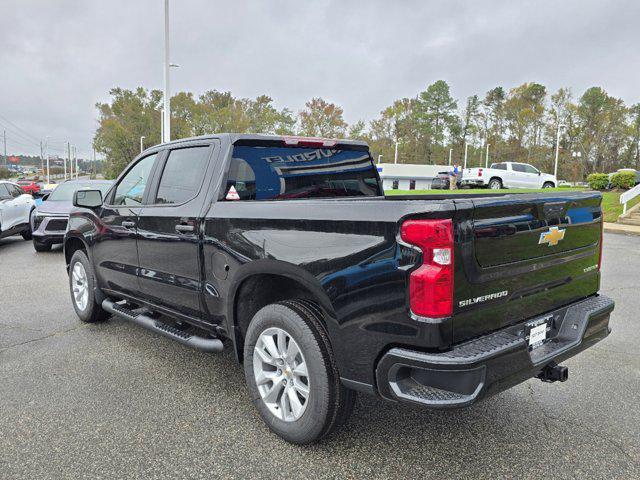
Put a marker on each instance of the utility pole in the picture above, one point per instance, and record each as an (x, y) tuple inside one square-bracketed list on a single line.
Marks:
[(486, 160), (466, 147), (450, 152), (4, 135), (75, 156), (166, 134), (65, 160), (395, 157), (46, 143), (555, 168), (41, 158)]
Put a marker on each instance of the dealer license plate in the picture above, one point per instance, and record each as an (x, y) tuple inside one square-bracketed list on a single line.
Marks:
[(536, 332)]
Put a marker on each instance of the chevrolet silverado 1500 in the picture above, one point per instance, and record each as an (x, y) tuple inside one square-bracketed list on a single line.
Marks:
[(286, 250)]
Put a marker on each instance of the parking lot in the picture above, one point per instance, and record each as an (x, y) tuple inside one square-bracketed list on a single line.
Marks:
[(112, 400)]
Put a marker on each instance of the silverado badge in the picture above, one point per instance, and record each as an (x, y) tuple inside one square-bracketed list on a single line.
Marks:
[(552, 237)]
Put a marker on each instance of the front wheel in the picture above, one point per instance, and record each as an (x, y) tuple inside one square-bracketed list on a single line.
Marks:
[(291, 373), (548, 185), (41, 246), (82, 283)]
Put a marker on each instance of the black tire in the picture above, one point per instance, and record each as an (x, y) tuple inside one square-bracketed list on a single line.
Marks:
[(329, 402), (41, 246), (93, 311), (548, 185), (26, 233), (495, 184)]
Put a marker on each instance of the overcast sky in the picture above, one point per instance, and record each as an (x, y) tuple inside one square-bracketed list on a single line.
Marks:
[(59, 57)]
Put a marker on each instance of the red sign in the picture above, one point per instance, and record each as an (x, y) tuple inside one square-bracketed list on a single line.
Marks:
[(14, 159)]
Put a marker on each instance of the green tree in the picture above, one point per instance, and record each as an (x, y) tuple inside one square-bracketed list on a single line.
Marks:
[(322, 119), (130, 115), (436, 111)]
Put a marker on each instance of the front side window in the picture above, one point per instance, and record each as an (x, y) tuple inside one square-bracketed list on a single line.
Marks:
[(276, 173), (530, 169), (15, 191), (182, 175), (4, 191), (131, 188)]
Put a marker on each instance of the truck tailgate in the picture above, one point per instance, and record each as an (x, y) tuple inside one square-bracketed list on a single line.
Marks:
[(522, 255)]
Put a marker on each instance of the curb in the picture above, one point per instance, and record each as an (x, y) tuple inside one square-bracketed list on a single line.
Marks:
[(621, 228)]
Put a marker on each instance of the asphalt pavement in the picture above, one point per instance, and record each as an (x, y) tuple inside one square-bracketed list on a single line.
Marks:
[(114, 401)]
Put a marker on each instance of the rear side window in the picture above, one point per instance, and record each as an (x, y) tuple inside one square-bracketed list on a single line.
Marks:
[(276, 173), (182, 175), (4, 191), (518, 167), (499, 166)]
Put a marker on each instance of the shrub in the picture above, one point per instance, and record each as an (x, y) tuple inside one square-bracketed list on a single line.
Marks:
[(625, 180), (598, 181), (4, 173)]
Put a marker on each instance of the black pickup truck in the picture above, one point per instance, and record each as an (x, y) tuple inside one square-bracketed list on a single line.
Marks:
[(286, 250)]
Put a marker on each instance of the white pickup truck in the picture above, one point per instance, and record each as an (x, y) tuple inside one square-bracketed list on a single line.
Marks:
[(507, 175)]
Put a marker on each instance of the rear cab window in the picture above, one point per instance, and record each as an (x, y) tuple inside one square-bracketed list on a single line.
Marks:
[(182, 175), (266, 172)]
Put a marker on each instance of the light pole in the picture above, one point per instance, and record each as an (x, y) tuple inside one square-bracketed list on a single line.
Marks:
[(395, 157), (486, 160), (142, 143), (466, 147), (46, 149), (450, 152), (379, 157), (555, 168), (166, 132)]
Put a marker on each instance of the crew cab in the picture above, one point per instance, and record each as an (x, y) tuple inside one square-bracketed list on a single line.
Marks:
[(16, 208), (285, 250), (508, 175)]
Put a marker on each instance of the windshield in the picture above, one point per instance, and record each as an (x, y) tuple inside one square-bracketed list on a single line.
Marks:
[(65, 191)]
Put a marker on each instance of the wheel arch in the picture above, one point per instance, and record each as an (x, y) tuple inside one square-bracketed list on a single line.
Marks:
[(266, 281), (71, 245)]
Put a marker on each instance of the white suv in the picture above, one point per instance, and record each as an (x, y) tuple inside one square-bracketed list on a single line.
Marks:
[(15, 210), (508, 175)]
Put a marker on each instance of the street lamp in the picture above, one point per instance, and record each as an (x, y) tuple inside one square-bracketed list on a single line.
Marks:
[(486, 161), (466, 147), (450, 152), (142, 143), (379, 157), (555, 168), (395, 157)]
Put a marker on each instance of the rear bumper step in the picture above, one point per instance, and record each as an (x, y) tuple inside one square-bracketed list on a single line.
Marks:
[(494, 362), (200, 343)]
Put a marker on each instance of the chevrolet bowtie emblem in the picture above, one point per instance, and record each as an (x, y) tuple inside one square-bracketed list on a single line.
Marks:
[(552, 237)]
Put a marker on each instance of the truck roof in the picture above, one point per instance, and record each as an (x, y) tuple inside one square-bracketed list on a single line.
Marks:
[(234, 137)]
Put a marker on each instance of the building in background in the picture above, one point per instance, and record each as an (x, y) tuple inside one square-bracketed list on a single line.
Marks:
[(398, 176)]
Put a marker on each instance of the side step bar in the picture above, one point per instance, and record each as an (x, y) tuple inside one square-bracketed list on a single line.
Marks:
[(193, 341)]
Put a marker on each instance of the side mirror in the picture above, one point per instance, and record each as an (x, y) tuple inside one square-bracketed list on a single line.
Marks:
[(539, 173), (44, 197), (87, 198)]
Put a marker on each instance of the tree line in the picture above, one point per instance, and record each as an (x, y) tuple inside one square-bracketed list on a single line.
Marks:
[(598, 132)]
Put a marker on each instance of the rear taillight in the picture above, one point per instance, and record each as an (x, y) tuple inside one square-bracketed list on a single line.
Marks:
[(431, 285), (479, 172)]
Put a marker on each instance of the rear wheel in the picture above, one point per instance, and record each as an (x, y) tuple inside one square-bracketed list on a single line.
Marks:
[(495, 184), (82, 284), (291, 373), (41, 246)]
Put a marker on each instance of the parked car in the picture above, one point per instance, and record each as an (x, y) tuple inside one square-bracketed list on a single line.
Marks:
[(508, 175), (443, 181), (49, 221), (29, 186), (436, 302), (15, 208)]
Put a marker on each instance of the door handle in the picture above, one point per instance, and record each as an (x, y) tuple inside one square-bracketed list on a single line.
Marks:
[(180, 228), (128, 224)]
